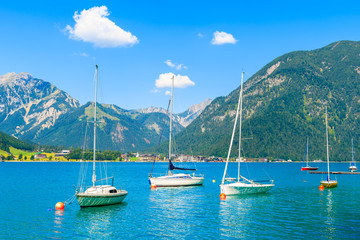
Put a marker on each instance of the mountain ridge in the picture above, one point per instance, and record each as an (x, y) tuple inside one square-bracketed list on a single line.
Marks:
[(184, 118), (33, 109), (284, 103)]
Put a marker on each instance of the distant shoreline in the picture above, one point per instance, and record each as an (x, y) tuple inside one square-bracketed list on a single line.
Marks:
[(72, 160)]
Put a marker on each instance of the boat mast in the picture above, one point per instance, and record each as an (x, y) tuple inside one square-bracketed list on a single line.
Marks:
[(171, 112), (241, 93), (327, 145), (307, 152), (352, 152), (232, 139), (94, 151)]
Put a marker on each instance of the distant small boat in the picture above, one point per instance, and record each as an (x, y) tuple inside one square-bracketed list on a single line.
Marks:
[(307, 167), (328, 183), (241, 185), (352, 164), (98, 195)]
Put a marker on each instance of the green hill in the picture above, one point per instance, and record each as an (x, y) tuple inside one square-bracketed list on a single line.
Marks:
[(284, 103), (7, 141)]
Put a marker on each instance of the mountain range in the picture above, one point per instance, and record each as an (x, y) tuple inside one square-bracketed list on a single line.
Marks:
[(36, 110), (284, 104), (184, 118)]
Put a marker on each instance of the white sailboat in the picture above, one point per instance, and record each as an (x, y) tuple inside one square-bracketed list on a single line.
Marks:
[(98, 195), (328, 183), (307, 167), (171, 179), (240, 185), (352, 164)]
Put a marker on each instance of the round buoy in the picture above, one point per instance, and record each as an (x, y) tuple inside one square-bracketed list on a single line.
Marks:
[(152, 186), (222, 196), (59, 206), (321, 187), (213, 180)]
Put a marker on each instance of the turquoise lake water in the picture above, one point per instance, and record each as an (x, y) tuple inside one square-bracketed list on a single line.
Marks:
[(293, 209)]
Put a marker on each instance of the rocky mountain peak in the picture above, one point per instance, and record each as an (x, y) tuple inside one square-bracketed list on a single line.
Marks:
[(12, 77), (30, 104), (151, 110), (200, 106)]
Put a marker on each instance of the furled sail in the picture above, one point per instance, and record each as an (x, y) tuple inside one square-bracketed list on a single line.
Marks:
[(172, 167)]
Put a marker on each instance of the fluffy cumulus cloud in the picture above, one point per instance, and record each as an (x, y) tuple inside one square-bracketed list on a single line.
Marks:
[(93, 26), (175, 65), (180, 81), (221, 38)]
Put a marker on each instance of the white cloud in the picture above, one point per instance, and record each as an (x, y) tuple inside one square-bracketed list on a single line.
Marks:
[(175, 65), (200, 35), (155, 90), (167, 92), (165, 80), (221, 38), (93, 26), (81, 54), (169, 63)]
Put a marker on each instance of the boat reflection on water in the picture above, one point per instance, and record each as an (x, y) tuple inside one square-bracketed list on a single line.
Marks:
[(328, 213), (182, 210), (96, 222), (241, 215)]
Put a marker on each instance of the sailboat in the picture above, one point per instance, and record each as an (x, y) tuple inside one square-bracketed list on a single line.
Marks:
[(98, 195), (307, 167), (171, 179), (241, 185), (352, 164), (328, 183)]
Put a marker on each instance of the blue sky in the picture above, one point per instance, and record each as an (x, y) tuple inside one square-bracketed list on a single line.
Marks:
[(164, 37)]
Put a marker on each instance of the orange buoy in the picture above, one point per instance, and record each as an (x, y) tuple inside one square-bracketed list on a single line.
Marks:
[(222, 196), (59, 206), (321, 187), (152, 186)]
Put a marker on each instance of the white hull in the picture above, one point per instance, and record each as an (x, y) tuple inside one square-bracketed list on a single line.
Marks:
[(353, 168), (100, 196), (176, 180), (240, 188)]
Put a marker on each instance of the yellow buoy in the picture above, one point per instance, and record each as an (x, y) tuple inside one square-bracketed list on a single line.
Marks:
[(213, 180), (222, 196), (321, 187), (59, 206)]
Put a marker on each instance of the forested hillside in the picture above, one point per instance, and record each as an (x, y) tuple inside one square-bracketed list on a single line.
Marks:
[(284, 103)]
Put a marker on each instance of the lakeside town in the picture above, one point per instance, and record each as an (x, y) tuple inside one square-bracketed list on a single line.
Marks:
[(63, 156)]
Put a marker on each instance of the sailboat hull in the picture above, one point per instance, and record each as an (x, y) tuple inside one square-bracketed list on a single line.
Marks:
[(329, 184), (101, 196), (86, 200), (353, 168), (176, 180), (308, 168), (240, 188)]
